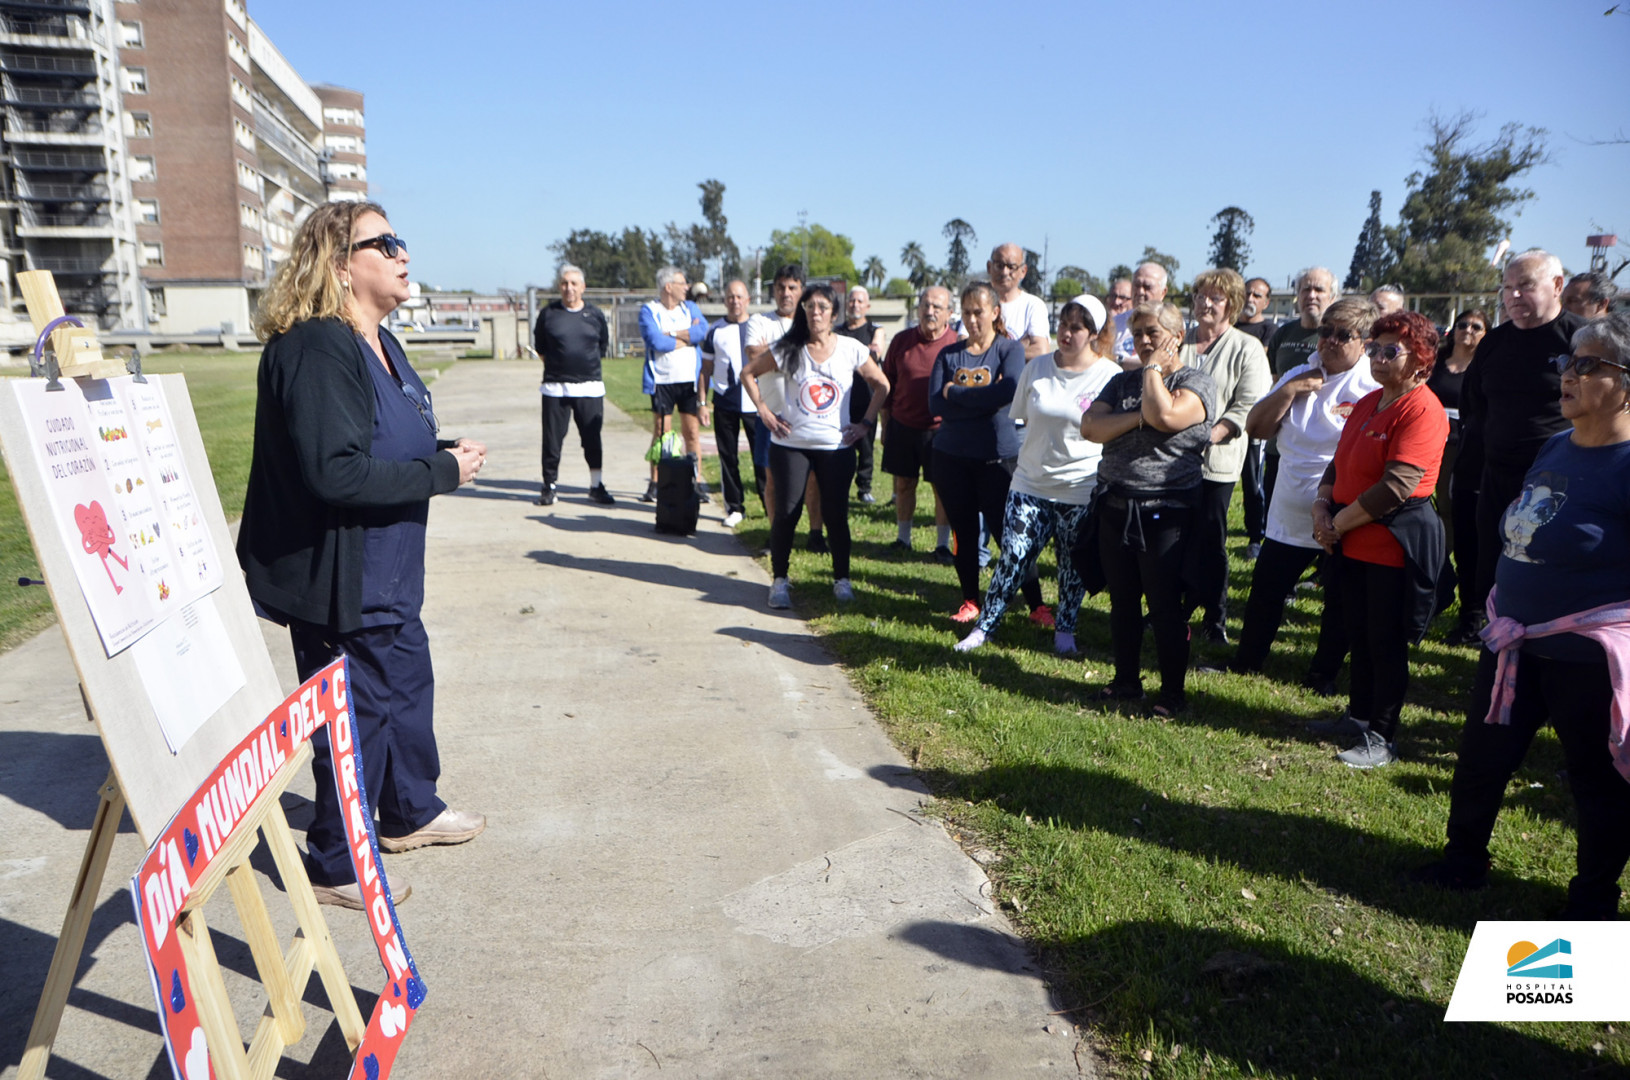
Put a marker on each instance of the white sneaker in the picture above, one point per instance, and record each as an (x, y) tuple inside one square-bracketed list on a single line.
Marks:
[(844, 591), (781, 593), (732, 519)]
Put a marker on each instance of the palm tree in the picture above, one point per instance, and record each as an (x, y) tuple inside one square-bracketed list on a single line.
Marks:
[(916, 264), (961, 234), (875, 272)]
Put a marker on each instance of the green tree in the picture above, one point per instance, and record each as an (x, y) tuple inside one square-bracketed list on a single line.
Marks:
[(1066, 289), (960, 234), (1229, 247), (830, 254), (918, 272), (874, 273), (1085, 281), (629, 261), (1455, 210), (1370, 253), (694, 248), (1118, 271), (899, 287), (1168, 261)]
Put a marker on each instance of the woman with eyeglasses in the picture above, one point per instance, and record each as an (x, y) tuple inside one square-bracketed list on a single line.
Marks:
[(1456, 504), (1154, 424), (814, 435), (1558, 639), (332, 541), (1373, 513), (1305, 411)]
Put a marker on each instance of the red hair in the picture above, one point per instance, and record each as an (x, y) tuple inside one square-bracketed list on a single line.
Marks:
[(1415, 333)]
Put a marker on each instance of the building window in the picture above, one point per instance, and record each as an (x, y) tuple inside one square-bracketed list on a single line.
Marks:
[(129, 34), (235, 12), (240, 94), (143, 168), (243, 136), (252, 256), (147, 211), (248, 217), (156, 308), (152, 254), (135, 79), (138, 125), (237, 51), (335, 114), (341, 144), (247, 177)]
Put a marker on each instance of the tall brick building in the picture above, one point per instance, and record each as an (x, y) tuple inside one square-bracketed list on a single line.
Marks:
[(200, 150)]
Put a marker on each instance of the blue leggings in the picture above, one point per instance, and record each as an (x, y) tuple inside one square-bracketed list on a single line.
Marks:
[(1028, 523)]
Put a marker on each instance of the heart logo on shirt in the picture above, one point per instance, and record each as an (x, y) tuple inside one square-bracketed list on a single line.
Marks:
[(1343, 409), (820, 396)]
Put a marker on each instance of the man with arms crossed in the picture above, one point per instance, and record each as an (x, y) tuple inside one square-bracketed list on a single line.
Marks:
[(908, 426), (1024, 314), (673, 327)]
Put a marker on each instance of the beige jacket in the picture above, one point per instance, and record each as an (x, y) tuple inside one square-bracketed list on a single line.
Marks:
[(1238, 365)]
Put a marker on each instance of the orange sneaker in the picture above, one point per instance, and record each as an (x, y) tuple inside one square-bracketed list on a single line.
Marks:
[(1043, 617), (968, 612)]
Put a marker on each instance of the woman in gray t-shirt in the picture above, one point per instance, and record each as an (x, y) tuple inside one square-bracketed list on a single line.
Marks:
[(1154, 424)]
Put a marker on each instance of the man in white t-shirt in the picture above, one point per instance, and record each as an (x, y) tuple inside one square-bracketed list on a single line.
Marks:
[(724, 354), (1024, 314), (764, 330), (1119, 302), (1149, 283), (673, 328)]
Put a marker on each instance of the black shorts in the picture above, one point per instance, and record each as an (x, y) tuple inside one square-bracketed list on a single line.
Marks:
[(676, 395), (908, 451)]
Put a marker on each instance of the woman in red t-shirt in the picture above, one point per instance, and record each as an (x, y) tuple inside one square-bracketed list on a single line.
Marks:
[(1386, 465)]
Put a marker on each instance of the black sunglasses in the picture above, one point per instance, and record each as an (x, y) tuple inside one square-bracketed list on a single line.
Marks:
[(387, 244), (1471, 326), (1584, 365), (423, 405), (1342, 336)]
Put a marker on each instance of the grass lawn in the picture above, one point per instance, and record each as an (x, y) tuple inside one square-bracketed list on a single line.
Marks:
[(1132, 851), (222, 386)]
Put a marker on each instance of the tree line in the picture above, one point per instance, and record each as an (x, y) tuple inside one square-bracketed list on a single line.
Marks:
[(1456, 210)]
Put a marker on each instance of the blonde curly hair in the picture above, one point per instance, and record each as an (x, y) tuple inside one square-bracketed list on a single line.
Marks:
[(307, 285)]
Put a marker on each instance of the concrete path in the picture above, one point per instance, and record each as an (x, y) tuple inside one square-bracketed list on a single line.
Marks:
[(704, 858)]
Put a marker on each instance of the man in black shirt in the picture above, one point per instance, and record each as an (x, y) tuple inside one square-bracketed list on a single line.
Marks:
[(1254, 321), (572, 337), (1511, 403), (857, 325)]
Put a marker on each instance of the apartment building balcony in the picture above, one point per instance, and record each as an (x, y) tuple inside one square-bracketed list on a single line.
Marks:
[(54, 129), (59, 161), (44, 30), (77, 266), (65, 223), (286, 141), (80, 68), (33, 191), (47, 97), (35, 8)]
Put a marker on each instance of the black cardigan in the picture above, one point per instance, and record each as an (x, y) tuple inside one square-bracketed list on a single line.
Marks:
[(312, 475)]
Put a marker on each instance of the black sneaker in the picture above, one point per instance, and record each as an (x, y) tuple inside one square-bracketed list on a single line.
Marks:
[(942, 555), (650, 492), (1454, 876), (600, 495), (817, 543), (547, 497)]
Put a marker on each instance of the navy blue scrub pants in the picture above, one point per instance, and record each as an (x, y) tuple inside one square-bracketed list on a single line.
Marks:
[(392, 690)]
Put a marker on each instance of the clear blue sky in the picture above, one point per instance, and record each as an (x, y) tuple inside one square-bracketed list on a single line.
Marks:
[(496, 128)]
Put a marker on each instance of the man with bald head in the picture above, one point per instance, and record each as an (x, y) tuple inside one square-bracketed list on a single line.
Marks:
[(1294, 344), (908, 425), (1149, 282), (1024, 314)]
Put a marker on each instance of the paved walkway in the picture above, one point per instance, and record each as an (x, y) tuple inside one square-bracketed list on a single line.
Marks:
[(704, 858)]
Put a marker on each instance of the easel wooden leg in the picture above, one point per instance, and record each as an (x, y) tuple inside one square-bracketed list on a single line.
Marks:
[(215, 1014), (65, 960)]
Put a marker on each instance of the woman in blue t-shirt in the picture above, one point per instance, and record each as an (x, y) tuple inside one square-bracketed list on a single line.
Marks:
[(1559, 630)]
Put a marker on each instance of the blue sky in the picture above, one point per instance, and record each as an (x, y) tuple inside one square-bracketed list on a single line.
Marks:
[(496, 128)]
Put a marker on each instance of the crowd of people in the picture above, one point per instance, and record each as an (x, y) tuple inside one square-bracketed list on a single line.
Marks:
[(1489, 470)]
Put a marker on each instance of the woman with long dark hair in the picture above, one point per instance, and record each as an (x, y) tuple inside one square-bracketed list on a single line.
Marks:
[(976, 447), (1457, 503), (818, 368)]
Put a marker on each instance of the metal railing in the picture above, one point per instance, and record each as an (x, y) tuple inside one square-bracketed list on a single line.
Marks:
[(37, 192), (275, 130), (58, 161), (85, 219), (71, 124), (66, 265), (48, 96), (43, 27), (48, 65), (81, 7)]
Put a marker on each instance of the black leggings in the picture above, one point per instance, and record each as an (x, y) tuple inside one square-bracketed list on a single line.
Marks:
[(834, 469), (1155, 572), (1372, 598), (1273, 576), (968, 488)]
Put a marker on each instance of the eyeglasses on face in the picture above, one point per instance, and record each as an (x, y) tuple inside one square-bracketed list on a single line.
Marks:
[(1584, 365), (1012, 268), (1385, 352), (387, 244), (1342, 336)]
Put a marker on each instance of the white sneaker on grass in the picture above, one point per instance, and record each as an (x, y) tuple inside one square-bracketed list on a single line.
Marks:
[(780, 593), (844, 591), (732, 519)]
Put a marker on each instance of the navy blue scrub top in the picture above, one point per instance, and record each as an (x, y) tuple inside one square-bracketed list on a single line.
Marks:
[(394, 543)]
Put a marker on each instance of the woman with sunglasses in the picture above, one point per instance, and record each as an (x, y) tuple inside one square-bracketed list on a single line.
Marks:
[(1558, 639), (1154, 424), (1373, 513), (1457, 504), (1305, 411), (332, 541)]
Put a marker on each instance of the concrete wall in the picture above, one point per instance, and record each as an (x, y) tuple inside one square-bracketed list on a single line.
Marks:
[(195, 309)]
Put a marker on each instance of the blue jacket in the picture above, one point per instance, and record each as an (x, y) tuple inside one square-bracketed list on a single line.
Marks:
[(656, 341)]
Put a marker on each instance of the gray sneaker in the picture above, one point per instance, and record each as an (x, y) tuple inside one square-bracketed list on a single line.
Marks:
[(844, 591), (1371, 752), (780, 593), (1344, 727)]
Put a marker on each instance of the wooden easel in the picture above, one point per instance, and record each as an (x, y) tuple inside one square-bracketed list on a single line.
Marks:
[(157, 782)]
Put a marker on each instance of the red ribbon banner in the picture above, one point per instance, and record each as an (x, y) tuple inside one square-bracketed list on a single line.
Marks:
[(209, 820)]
